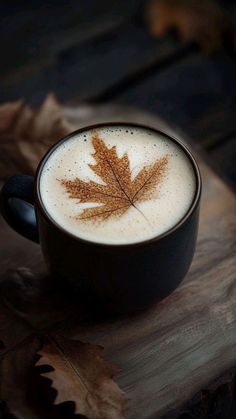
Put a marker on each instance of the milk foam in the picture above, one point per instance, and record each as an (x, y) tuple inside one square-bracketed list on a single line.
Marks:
[(173, 198)]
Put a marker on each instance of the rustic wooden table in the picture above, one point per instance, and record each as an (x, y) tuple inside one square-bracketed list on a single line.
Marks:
[(177, 348)]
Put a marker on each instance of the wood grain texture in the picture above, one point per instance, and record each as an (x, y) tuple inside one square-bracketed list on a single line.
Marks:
[(88, 69), (176, 348), (47, 29), (198, 94), (224, 156)]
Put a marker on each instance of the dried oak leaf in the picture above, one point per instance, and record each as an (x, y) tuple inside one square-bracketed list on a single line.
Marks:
[(81, 375), (27, 133), (203, 22), (77, 366), (118, 192)]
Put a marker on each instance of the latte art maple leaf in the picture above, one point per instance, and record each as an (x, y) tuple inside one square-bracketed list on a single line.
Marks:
[(118, 192), (117, 184)]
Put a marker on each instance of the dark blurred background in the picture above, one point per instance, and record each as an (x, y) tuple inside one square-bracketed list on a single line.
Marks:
[(100, 51)]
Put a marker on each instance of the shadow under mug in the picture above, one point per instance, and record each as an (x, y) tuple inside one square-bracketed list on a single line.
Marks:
[(119, 278)]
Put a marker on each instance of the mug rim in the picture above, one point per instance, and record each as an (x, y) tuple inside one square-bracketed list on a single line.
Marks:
[(181, 222)]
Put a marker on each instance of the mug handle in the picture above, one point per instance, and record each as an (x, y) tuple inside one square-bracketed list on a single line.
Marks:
[(17, 206)]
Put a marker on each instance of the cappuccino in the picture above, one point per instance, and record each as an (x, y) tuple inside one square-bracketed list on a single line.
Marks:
[(117, 184)]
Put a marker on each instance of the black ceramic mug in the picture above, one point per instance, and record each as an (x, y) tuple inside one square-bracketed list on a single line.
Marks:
[(119, 277)]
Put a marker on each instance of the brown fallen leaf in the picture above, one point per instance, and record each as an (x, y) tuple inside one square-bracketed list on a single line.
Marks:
[(120, 192), (203, 22), (27, 133), (77, 366), (9, 112), (81, 375)]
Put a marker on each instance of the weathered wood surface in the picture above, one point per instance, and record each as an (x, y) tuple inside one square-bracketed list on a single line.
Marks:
[(92, 69), (193, 94), (224, 157), (47, 29), (170, 352)]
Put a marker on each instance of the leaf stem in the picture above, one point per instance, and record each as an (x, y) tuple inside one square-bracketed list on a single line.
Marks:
[(139, 210), (118, 181)]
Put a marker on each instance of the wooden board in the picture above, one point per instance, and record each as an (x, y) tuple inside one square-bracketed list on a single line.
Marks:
[(87, 70), (35, 33), (197, 93), (176, 348), (224, 156)]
